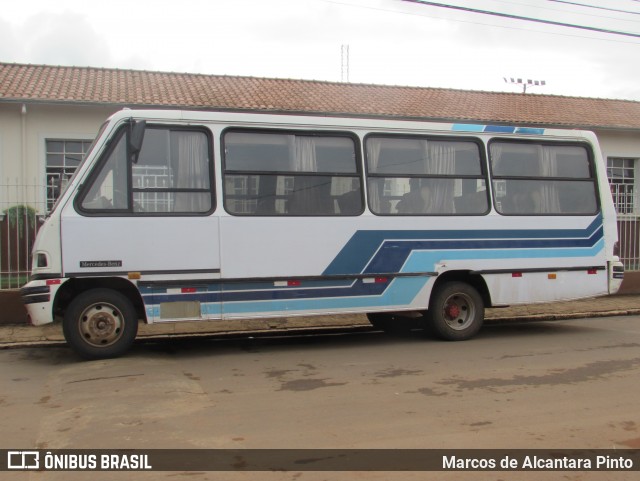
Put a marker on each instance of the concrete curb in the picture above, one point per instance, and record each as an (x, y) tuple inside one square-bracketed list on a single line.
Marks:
[(12, 337), (563, 316)]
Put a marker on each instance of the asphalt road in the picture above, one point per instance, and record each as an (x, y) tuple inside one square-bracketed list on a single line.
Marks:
[(548, 385)]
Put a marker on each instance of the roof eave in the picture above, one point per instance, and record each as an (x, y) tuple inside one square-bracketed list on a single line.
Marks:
[(119, 105)]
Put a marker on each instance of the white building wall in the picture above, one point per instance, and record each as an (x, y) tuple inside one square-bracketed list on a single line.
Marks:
[(10, 141), (619, 143), (23, 131)]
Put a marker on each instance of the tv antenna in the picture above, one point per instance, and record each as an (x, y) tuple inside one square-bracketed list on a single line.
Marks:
[(525, 83)]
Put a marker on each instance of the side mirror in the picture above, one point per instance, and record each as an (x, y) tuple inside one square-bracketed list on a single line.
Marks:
[(136, 136)]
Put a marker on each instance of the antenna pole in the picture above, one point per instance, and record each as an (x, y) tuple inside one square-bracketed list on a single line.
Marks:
[(344, 63)]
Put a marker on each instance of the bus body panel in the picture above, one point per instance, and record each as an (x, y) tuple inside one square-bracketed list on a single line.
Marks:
[(222, 266), (287, 266), (539, 287), (149, 245), (273, 247)]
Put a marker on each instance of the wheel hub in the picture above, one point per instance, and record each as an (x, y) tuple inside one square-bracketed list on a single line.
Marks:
[(459, 311), (452, 311), (101, 324)]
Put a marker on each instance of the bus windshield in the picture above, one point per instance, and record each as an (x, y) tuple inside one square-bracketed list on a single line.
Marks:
[(65, 183)]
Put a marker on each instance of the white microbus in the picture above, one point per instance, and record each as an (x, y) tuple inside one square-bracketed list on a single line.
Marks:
[(182, 216)]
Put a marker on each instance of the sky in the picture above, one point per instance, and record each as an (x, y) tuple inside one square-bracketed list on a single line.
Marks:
[(392, 42)]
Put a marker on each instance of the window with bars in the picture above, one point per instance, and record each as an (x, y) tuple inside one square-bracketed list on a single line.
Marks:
[(621, 173), (62, 159)]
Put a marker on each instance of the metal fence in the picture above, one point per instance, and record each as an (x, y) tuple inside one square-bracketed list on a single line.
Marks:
[(629, 241), (625, 200), (20, 218)]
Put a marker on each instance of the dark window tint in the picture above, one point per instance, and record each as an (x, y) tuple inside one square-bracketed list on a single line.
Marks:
[(172, 175), (531, 178), (290, 174), (425, 176)]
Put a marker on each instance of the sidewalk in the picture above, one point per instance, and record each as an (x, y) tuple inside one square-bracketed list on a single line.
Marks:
[(624, 305)]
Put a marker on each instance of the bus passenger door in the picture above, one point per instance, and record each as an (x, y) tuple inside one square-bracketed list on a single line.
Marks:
[(147, 210)]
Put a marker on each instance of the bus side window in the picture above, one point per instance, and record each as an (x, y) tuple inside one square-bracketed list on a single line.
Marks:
[(421, 175), (268, 172), (533, 178), (108, 191), (171, 175)]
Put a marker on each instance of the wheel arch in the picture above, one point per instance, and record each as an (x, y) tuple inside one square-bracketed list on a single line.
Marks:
[(474, 280), (77, 285)]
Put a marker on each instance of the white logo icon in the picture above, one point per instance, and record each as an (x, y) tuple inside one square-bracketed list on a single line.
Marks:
[(23, 460)]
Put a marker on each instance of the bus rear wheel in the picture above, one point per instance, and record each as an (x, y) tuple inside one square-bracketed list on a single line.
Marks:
[(100, 324), (456, 311)]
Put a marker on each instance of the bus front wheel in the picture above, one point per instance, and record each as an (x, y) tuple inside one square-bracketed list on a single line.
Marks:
[(100, 324), (456, 311)]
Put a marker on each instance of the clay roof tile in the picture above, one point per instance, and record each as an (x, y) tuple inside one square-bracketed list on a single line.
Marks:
[(135, 88)]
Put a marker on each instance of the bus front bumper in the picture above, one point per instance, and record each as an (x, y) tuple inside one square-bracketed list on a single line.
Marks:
[(37, 297)]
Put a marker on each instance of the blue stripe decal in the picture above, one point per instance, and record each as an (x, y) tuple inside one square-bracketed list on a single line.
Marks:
[(402, 291), (529, 131), (267, 292), (248, 286), (376, 252), (428, 258), (393, 254), (467, 128), (360, 250), (502, 129)]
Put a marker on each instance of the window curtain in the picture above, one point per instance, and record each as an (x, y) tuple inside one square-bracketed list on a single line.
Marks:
[(496, 157), (192, 172), (440, 159), (302, 158), (374, 146), (549, 202), (304, 154)]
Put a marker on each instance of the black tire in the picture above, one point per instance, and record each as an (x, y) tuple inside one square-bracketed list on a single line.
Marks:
[(100, 324), (456, 311)]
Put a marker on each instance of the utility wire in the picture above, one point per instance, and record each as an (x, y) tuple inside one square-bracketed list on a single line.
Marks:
[(492, 25), (564, 11), (518, 17), (595, 6)]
